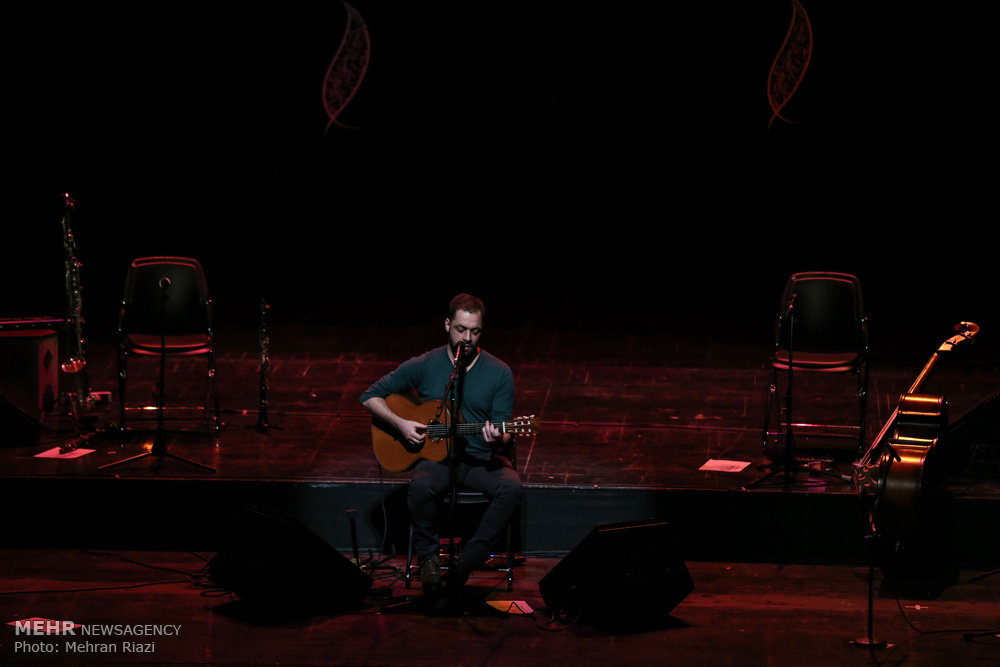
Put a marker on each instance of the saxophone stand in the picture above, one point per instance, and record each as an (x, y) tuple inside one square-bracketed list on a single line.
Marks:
[(787, 464), (79, 406), (78, 411), (159, 441)]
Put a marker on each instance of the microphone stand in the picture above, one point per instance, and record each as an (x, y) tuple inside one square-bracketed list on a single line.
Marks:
[(789, 463), (869, 641), (159, 443), (453, 393)]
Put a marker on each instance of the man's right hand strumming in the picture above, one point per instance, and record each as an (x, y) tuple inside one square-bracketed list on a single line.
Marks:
[(411, 431)]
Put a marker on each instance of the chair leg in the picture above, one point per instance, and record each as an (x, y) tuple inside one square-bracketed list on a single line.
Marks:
[(122, 372), (409, 559), (510, 559), (863, 405), (212, 397), (771, 390)]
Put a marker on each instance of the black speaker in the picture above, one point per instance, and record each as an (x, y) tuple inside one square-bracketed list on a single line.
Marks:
[(273, 560), (972, 443), (621, 574)]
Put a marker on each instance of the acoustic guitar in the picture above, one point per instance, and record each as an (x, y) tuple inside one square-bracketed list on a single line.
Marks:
[(901, 465), (395, 454)]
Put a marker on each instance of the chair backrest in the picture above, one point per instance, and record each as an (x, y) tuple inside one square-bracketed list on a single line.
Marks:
[(829, 313), (166, 295)]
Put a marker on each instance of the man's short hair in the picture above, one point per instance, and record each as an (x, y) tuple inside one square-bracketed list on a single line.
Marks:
[(468, 303)]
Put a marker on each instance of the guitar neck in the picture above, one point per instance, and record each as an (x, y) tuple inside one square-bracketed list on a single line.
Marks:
[(463, 429)]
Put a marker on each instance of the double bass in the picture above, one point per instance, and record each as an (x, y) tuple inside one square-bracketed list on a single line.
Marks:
[(904, 461)]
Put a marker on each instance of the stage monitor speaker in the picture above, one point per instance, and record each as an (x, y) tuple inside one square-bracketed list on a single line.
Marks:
[(620, 574), (973, 440), (275, 561)]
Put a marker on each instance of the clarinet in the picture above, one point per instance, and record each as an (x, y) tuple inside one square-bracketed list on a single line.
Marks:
[(265, 365), (76, 364)]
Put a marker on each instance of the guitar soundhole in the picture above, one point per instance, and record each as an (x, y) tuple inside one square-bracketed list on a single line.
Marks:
[(434, 431)]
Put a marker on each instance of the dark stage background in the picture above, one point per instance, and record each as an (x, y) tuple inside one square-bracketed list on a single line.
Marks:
[(588, 166)]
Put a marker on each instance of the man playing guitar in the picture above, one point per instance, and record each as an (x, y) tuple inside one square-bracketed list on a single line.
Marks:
[(487, 396)]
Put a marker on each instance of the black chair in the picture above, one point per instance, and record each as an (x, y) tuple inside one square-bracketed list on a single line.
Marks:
[(821, 327), (503, 562), (167, 311)]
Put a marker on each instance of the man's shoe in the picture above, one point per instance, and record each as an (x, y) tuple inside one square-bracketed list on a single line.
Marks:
[(430, 574)]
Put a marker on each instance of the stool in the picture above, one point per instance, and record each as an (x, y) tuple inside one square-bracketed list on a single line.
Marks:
[(466, 498)]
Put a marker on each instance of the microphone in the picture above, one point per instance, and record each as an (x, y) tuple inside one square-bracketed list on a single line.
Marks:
[(164, 282), (460, 352)]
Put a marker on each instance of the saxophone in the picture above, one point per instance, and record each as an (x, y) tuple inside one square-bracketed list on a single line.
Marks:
[(76, 363)]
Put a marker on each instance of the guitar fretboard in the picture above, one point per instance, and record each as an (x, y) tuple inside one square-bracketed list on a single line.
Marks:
[(437, 431)]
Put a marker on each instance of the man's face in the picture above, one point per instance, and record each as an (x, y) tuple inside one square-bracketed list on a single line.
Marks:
[(464, 326)]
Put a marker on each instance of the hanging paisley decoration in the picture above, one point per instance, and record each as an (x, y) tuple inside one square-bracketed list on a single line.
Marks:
[(790, 65), (347, 70)]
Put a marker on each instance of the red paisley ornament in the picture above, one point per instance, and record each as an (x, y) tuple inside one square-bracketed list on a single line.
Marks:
[(790, 65), (348, 67)]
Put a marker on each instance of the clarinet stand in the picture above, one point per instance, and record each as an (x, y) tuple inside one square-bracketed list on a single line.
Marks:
[(787, 464), (159, 441), (263, 423)]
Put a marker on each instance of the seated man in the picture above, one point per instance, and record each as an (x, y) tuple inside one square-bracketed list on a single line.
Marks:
[(487, 396)]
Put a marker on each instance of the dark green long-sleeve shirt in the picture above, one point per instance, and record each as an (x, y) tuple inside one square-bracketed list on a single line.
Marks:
[(488, 391)]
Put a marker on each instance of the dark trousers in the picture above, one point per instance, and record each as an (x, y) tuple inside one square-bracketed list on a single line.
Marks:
[(430, 482)]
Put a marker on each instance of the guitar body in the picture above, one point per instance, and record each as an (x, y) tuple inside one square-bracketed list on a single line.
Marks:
[(392, 451)]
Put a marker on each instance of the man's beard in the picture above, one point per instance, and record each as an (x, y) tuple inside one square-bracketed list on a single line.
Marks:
[(469, 352)]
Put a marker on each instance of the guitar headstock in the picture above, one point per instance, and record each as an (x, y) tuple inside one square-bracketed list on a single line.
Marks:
[(526, 426)]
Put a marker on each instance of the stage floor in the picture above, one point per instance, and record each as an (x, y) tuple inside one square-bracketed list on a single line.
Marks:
[(615, 410), (737, 614), (627, 421)]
